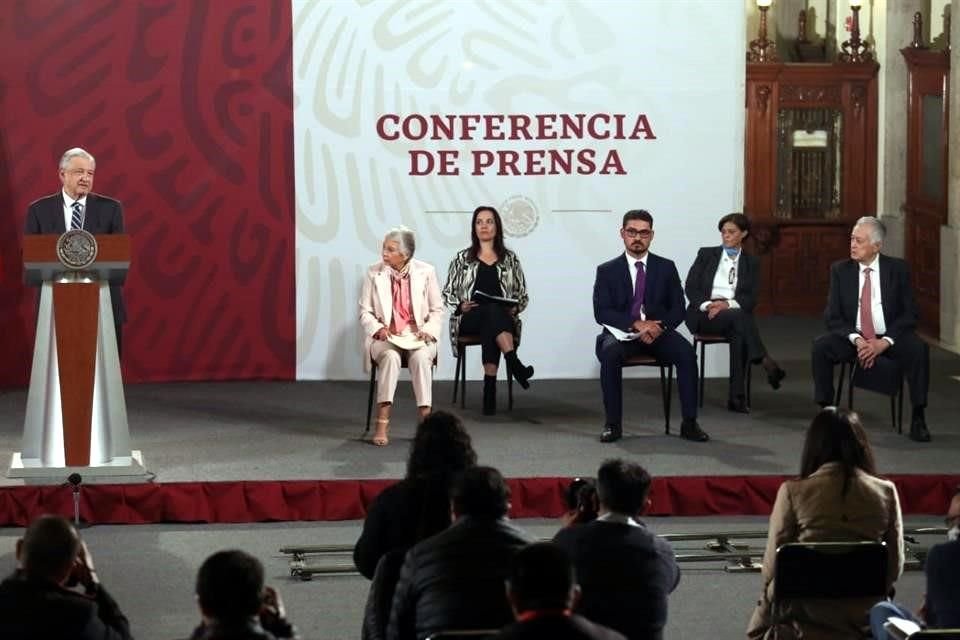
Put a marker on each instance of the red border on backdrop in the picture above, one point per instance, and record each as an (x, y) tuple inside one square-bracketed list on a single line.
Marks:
[(317, 500)]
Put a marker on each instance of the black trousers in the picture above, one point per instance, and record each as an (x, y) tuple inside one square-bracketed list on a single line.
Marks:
[(909, 351), (740, 329), (669, 347), (488, 321)]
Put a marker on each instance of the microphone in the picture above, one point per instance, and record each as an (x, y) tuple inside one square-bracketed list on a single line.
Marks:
[(75, 480)]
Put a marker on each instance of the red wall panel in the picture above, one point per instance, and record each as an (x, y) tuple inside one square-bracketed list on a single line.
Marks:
[(188, 109)]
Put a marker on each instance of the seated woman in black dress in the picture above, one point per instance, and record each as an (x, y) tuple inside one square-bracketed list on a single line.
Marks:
[(488, 266), (722, 288)]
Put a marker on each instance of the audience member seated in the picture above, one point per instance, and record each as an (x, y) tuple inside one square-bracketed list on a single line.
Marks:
[(837, 497), (409, 511), (542, 591), (941, 604), (39, 600), (626, 571), (234, 602), (454, 580), (581, 501), (418, 506)]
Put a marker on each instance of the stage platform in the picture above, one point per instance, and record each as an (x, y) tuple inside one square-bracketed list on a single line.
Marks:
[(268, 451)]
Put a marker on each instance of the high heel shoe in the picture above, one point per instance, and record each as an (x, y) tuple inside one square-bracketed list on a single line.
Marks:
[(521, 373), (380, 438)]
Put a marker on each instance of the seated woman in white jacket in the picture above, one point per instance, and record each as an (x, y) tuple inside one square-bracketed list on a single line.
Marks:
[(400, 314)]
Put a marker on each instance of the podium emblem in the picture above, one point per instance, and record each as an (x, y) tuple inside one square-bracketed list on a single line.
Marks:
[(77, 249), (519, 215)]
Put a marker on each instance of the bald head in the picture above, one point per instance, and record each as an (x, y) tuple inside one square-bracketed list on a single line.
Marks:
[(49, 548)]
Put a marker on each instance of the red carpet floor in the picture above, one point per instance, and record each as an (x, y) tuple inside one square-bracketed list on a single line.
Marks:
[(291, 500)]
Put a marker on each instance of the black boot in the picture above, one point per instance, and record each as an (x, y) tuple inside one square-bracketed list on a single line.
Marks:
[(521, 373), (489, 395)]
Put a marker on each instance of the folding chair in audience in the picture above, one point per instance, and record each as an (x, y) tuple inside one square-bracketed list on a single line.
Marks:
[(472, 634), (828, 570), (901, 630)]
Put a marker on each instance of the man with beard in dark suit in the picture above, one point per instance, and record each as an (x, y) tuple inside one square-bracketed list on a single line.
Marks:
[(75, 206), (870, 314)]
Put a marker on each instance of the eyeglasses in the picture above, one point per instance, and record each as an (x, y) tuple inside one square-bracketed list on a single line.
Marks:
[(637, 233), (733, 275)]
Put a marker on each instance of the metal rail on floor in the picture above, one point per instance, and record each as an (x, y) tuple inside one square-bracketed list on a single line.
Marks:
[(718, 546)]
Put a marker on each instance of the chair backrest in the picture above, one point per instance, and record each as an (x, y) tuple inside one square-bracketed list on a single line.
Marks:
[(831, 570), (472, 634)]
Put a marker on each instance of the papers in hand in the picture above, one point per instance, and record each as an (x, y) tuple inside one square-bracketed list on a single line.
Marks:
[(407, 341), (620, 335), (480, 296)]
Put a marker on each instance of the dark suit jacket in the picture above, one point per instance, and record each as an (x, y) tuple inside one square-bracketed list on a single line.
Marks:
[(896, 293), (626, 573), (558, 627), (455, 580), (699, 284), (613, 293), (943, 585), (33, 609), (103, 216)]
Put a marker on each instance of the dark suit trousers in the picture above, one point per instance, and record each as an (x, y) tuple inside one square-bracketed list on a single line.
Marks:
[(745, 344), (909, 351), (670, 348)]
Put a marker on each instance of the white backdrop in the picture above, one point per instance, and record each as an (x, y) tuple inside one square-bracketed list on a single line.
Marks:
[(679, 62)]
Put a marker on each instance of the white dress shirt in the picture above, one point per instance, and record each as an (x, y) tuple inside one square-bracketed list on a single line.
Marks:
[(725, 287), (876, 304), (619, 518), (68, 209), (632, 268)]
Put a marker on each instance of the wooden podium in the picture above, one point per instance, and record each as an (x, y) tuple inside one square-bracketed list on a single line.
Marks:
[(76, 417)]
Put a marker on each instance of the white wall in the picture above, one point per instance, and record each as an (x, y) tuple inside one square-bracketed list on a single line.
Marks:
[(353, 63)]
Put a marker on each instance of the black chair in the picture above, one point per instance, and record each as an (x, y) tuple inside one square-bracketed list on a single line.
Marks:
[(898, 630), (884, 377), (828, 570), (473, 634), (702, 340), (460, 372), (666, 381)]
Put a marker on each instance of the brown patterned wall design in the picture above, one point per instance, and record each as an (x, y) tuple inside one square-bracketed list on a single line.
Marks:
[(188, 108)]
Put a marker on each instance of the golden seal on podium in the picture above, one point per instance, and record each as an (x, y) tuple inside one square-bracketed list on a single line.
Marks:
[(77, 249)]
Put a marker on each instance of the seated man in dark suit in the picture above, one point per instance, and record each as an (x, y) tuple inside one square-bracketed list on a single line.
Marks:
[(626, 571), (235, 603), (941, 606), (454, 580), (640, 293), (871, 313), (35, 602), (542, 590)]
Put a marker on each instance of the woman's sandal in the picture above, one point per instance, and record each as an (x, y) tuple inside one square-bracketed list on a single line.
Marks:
[(380, 438)]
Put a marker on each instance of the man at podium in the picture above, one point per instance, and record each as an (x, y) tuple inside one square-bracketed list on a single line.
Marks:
[(76, 207)]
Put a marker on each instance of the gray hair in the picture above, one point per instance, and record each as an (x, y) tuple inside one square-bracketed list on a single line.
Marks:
[(76, 152), (877, 229), (403, 237)]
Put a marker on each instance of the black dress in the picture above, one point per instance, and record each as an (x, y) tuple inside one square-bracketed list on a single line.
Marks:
[(491, 318)]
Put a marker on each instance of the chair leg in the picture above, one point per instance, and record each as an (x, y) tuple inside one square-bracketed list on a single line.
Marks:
[(900, 409), (456, 374), (853, 369), (667, 397), (463, 376), (373, 384), (509, 389), (749, 382), (840, 379), (703, 354)]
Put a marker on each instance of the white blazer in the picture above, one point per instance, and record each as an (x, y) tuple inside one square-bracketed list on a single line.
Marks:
[(376, 302)]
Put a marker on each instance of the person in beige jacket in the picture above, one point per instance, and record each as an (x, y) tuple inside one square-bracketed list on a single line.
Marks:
[(401, 312), (837, 497)]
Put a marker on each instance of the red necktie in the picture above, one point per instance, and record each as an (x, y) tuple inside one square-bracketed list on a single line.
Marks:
[(866, 308)]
